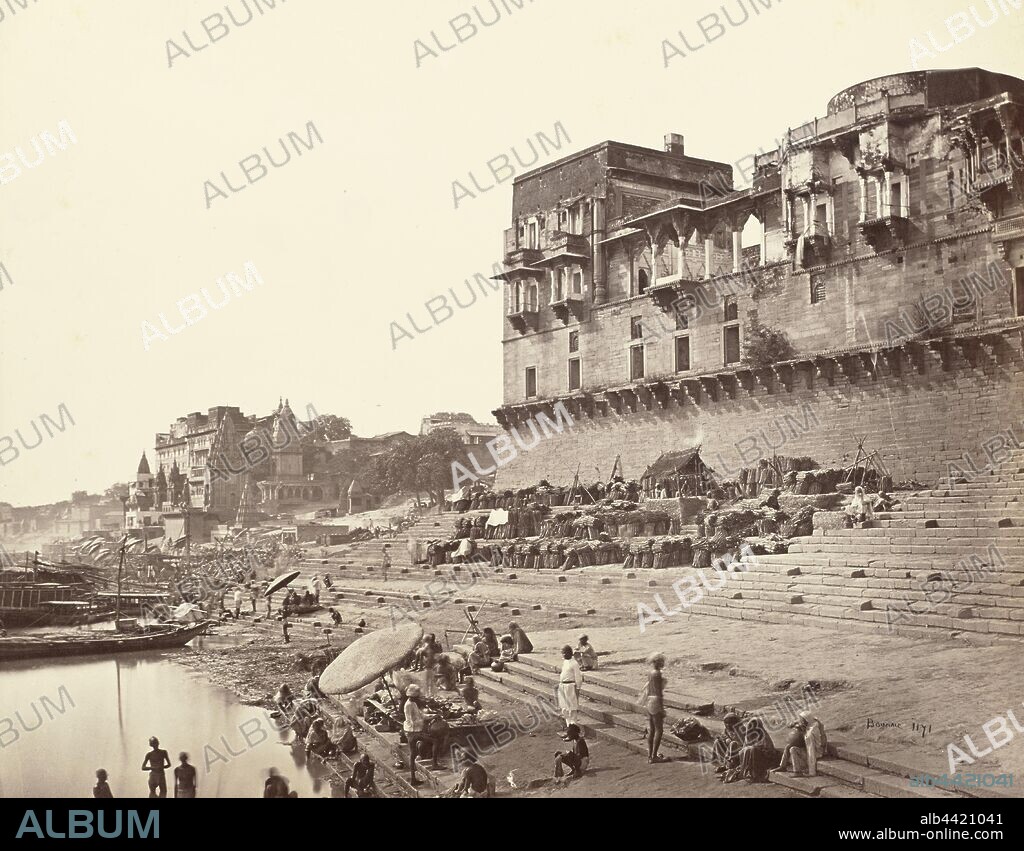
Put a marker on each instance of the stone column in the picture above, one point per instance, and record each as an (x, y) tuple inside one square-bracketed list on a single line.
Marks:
[(812, 203), (879, 200), (888, 195), (764, 237), (863, 198), (598, 272), (737, 250), (709, 247)]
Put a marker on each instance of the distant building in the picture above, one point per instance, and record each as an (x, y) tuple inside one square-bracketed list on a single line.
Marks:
[(471, 431)]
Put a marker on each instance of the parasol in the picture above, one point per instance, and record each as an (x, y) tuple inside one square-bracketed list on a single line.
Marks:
[(281, 581), (366, 658)]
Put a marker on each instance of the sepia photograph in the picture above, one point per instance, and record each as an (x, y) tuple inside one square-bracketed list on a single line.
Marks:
[(600, 401)]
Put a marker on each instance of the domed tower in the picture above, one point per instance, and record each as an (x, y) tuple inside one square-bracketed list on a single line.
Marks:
[(285, 443)]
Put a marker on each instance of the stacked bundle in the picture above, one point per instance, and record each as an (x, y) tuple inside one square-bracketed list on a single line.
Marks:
[(798, 524)]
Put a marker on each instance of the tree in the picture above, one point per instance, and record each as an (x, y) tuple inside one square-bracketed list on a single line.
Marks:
[(325, 428), (422, 463), (116, 491), (767, 346)]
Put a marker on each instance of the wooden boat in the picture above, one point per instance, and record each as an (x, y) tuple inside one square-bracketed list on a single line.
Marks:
[(159, 637)]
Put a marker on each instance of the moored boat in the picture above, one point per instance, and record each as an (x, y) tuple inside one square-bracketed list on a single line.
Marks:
[(158, 637)]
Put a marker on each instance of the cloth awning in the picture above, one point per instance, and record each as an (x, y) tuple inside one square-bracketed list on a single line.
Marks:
[(670, 463)]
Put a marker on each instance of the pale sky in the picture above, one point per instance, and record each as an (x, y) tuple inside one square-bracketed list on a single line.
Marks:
[(360, 230)]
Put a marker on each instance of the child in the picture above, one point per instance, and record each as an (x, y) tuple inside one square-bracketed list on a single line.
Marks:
[(102, 788), (385, 561)]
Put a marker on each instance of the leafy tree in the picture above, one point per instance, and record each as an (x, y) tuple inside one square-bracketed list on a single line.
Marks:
[(326, 427), (766, 346), (422, 463), (116, 491)]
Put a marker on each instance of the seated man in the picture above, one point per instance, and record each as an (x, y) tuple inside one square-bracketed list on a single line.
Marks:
[(794, 756), (445, 673), (362, 778), (318, 741), (578, 759), (470, 694), (474, 782), (480, 657), (508, 649), (284, 699), (585, 654), (859, 507)]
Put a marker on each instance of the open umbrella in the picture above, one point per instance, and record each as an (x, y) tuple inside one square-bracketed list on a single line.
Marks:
[(367, 658), (283, 580)]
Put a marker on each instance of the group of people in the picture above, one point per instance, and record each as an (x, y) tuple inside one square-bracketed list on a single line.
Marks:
[(303, 714), (156, 762), (745, 750)]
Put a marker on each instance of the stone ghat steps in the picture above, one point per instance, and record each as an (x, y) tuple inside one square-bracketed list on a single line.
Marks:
[(848, 618), (864, 547), (606, 713), (870, 534), (1002, 520), (611, 715), (420, 601), (952, 510)]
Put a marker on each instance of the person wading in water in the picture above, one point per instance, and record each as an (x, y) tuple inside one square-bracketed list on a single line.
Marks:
[(155, 762)]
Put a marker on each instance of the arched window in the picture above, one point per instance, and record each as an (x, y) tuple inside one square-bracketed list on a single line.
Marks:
[(531, 300)]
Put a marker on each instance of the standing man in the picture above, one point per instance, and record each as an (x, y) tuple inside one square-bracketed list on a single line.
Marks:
[(184, 778), (569, 684), (270, 603), (284, 626), (414, 725), (155, 762), (385, 561), (317, 587), (238, 598)]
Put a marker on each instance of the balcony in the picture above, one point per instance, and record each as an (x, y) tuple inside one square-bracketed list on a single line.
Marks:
[(1008, 229), (991, 179), (667, 289), (562, 245), (568, 308), (523, 257), (812, 249), (525, 318), (884, 231)]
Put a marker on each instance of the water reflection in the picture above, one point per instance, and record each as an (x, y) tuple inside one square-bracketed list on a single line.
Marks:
[(61, 720)]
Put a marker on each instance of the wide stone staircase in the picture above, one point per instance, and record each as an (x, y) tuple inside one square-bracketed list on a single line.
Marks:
[(945, 561), (609, 713)]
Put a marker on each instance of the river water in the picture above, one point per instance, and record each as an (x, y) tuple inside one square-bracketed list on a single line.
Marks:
[(60, 720)]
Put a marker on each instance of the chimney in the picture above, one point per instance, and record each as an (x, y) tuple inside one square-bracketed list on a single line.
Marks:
[(674, 143)]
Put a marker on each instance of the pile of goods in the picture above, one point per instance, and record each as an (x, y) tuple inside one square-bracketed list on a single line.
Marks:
[(660, 552), (543, 494), (618, 519)]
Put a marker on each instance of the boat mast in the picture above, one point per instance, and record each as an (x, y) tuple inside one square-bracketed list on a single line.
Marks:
[(120, 570)]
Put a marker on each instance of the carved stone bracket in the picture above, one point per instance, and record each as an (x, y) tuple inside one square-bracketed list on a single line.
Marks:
[(691, 389), (825, 368), (710, 386), (944, 351), (745, 379), (764, 378), (893, 361), (784, 374), (870, 364), (970, 350)]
